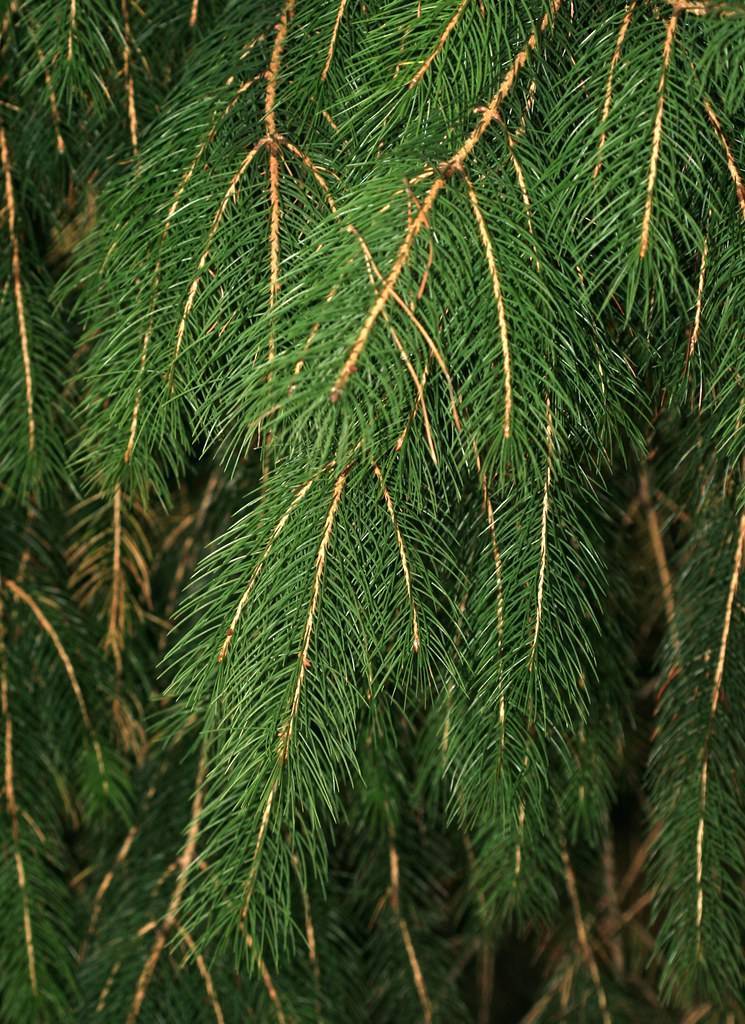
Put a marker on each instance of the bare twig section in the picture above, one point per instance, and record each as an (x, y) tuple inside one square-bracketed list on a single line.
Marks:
[(174, 904), (194, 14), (332, 43), (421, 219), (416, 970), (72, 28), (657, 134), (209, 985), (696, 330), (440, 44), (609, 83), (114, 639), (660, 557), (15, 261), (499, 299), (128, 79), (582, 937), (734, 170), (715, 696), (25, 598), (402, 553), (271, 989), (544, 533), (13, 814), (281, 523), (193, 287)]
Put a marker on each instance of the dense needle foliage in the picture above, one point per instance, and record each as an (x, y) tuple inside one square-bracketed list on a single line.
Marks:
[(372, 511)]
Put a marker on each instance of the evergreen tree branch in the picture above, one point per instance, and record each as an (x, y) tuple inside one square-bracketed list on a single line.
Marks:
[(715, 697), (332, 41), (454, 163), (10, 800), (15, 251), (174, 905), (25, 598), (440, 44), (672, 25), (607, 102)]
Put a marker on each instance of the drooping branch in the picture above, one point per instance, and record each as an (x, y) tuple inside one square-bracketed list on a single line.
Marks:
[(15, 264), (732, 167), (395, 901), (332, 43), (544, 533), (402, 554), (13, 814), (440, 44), (716, 692), (499, 300), (25, 598), (458, 159), (626, 22), (174, 905), (281, 523), (288, 726), (672, 25)]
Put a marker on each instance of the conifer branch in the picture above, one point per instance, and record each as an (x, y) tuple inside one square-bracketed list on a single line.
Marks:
[(672, 25), (10, 800), (128, 79), (108, 878), (73, 17), (734, 170), (194, 14), (15, 261), (715, 697), (696, 330), (499, 300), (523, 186), (220, 213), (204, 971), (268, 982), (663, 569), (626, 22), (395, 901), (402, 553), (281, 523), (440, 44), (455, 163), (114, 639), (544, 533), (332, 43), (174, 905), (582, 937), (287, 728), (25, 598)]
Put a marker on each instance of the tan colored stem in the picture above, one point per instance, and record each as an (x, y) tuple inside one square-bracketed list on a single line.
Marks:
[(421, 219), (657, 135), (15, 264), (440, 44)]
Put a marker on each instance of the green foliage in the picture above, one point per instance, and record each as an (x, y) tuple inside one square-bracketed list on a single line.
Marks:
[(371, 503)]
